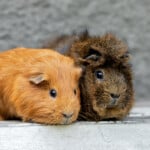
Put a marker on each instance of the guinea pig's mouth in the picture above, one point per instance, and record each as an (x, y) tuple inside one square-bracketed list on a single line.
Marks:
[(66, 121), (111, 106), (67, 117), (110, 103)]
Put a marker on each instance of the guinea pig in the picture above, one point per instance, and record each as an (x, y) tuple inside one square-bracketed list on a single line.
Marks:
[(106, 84), (39, 85)]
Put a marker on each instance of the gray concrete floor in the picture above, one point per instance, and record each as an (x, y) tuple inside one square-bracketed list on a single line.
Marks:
[(133, 133)]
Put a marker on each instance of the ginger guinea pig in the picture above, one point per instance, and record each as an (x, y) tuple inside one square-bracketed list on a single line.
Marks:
[(39, 85), (106, 84)]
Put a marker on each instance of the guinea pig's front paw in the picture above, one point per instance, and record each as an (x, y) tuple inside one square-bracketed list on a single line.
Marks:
[(27, 120), (1, 118), (30, 121)]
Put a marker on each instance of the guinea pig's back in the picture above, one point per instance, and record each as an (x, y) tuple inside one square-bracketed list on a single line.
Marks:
[(21, 56), (21, 60)]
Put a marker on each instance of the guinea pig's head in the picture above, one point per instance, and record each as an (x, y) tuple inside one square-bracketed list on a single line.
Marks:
[(48, 92), (106, 91), (106, 83)]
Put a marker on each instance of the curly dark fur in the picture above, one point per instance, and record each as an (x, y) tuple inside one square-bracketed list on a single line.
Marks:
[(111, 97)]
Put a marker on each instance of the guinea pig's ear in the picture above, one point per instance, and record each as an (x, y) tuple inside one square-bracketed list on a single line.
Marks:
[(93, 54), (37, 79), (93, 57)]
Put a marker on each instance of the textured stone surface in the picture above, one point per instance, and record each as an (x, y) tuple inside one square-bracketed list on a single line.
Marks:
[(29, 23), (130, 134)]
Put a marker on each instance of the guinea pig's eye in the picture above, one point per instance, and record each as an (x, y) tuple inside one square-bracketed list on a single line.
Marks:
[(75, 91), (53, 93), (99, 74)]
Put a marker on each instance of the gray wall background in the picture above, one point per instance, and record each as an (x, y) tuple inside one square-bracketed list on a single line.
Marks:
[(29, 23)]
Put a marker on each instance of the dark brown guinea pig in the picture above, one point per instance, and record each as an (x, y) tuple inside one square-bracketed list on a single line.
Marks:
[(106, 83)]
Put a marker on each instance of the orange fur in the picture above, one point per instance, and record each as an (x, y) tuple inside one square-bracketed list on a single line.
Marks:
[(28, 75)]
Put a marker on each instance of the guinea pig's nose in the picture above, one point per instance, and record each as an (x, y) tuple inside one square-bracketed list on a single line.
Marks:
[(67, 115), (115, 96)]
